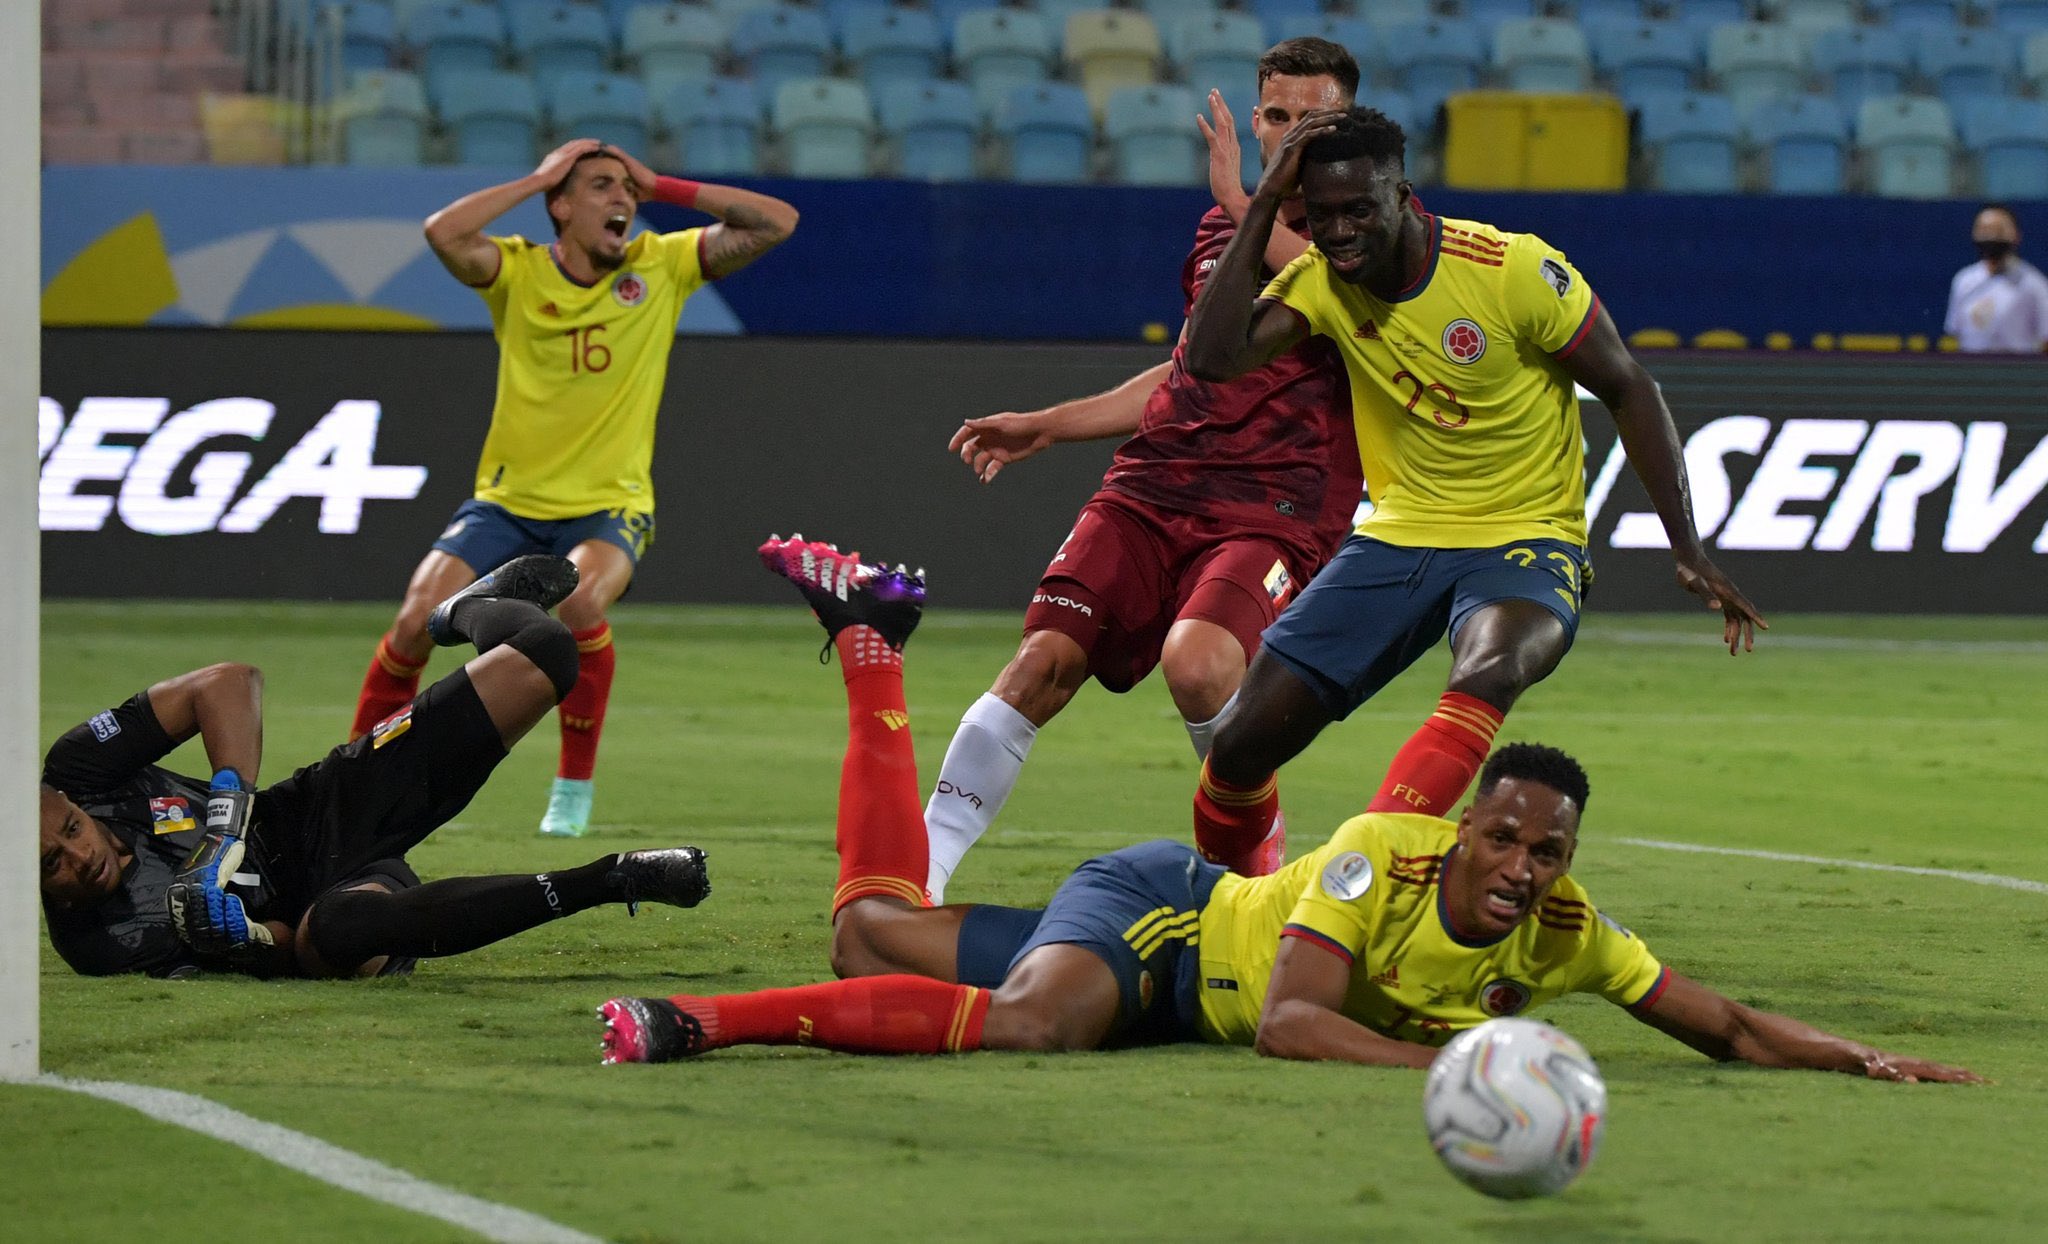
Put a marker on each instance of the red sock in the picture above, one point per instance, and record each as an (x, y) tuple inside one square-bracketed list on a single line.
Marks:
[(1436, 764), (881, 840), (1231, 821), (582, 711), (390, 685), (866, 1015)]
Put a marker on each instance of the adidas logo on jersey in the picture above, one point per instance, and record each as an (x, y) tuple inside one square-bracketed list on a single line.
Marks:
[(550, 309), (1389, 979), (1368, 331)]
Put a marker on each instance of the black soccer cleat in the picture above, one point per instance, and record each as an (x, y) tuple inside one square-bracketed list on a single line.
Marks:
[(538, 578), (674, 875), (845, 591), (648, 1030)]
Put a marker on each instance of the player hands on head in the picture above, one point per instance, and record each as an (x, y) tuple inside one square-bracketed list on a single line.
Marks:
[(585, 327), (1375, 948), (144, 870)]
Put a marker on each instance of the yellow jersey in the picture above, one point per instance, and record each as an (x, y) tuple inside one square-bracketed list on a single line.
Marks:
[(1370, 895), (1468, 428), (580, 374)]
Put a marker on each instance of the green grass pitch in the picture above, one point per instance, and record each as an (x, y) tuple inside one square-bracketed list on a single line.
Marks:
[(1914, 742)]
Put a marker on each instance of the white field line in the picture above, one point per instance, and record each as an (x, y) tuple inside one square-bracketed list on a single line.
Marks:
[(1709, 638), (1990, 879), (328, 1163)]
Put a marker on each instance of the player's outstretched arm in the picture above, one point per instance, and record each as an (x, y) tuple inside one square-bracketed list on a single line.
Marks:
[(223, 705), (1300, 1019), (990, 443), (456, 232), (1726, 1030), (1632, 396)]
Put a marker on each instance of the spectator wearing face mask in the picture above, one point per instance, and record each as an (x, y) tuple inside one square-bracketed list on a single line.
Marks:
[(1998, 305)]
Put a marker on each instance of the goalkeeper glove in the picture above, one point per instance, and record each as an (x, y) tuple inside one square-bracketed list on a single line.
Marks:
[(203, 914)]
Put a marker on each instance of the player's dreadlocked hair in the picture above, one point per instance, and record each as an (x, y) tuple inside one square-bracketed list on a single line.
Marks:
[(1361, 134), (1310, 57), (1533, 762)]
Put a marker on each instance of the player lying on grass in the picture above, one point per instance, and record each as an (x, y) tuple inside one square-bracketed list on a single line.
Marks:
[(1374, 948), (147, 871)]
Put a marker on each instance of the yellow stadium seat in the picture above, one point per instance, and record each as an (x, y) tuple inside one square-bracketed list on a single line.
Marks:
[(1720, 339), (1509, 140), (241, 129), (1110, 50), (1654, 339)]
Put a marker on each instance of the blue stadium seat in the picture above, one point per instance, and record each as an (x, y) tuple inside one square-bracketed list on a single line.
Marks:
[(367, 31), (1216, 49), (1487, 14), (1918, 14), (1056, 12), (1434, 60), (1908, 144), (1403, 111), (1152, 137), (1608, 12), (2009, 137), (716, 125), (998, 50), (1355, 35), (494, 115), (782, 43), (1049, 131), (1755, 61), (934, 126), (1647, 57), (1967, 64), (552, 38), (1542, 54), (1862, 62), (894, 45), (1703, 15), (457, 36), (839, 13), (827, 127), (1242, 99), (1273, 12), (2020, 17), (1805, 144), (383, 119), (585, 103), (1693, 138), (2034, 62), (949, 12), (671, 43), (1816, 15)]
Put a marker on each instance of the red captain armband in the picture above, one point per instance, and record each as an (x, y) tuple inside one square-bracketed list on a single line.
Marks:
[(676, 190)]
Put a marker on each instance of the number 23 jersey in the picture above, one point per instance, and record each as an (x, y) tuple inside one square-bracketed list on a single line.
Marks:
[(580, 375)]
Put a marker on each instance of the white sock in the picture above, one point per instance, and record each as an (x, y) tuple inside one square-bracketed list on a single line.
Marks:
[(1203, 733), (981, 768)]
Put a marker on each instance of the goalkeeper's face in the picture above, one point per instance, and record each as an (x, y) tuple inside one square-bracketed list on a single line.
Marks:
[(81, 861)]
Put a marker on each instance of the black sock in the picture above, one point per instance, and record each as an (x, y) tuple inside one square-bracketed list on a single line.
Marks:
[(450, 917), (488, 621)]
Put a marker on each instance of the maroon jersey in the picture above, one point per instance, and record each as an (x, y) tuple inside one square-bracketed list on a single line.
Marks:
[(1273, 451)]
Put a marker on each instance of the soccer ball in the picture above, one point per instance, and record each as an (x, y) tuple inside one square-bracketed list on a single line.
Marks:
[(1514, 1108)]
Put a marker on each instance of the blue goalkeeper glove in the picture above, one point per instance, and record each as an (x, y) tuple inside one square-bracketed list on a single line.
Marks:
[(204, 915)]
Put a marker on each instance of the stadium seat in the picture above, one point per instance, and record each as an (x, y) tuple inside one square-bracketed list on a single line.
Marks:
[(1593, 13), (2009, 137), (1906, 15), (1647, 57), (782, 43), (1048, 130), (552, 38), (1403, 111), (1433, 60), (457, 36), (1704, 15), (494, 115), (1271, 13), (934, 127), (1693, 139), (1152, 137), (1487, 14), (584, 103), (1967, 64), (715, 124), (1110, 50), (669, 43), (1862, 62), (893, 45), (1355, 35), (1166, 12), (1542, 54), (731, 11), (2020, 17), (1386, 14), (998, 50), (839, 13), (1216, 49), (1755, 61), (366, 29), (1056, 12), (383, 118), (1242, 99), (1908, 144), (827, 127), (1805, 144), (2034, 62), (1814, 15)]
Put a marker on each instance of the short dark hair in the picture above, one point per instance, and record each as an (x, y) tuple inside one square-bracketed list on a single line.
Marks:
[(555, 191), (1998, 206), (1309, 57), (1533, 762), (1361, 134)]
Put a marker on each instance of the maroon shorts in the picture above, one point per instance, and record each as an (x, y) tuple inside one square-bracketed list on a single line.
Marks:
[(1127, 573)]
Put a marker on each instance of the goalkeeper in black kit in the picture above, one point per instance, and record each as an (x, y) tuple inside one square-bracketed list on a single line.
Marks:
[(147, 871)]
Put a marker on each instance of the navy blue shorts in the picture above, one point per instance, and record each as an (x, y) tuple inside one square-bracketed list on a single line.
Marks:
[(1139, 910), (1377, 607), (486, 535)]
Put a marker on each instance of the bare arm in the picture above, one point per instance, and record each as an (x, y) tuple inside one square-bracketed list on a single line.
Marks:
[(1632, 396), (456, 232), (223, 705), (1226, 181), (990, 443), (1727, 1031), (1301, 1020), (749, 224)]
